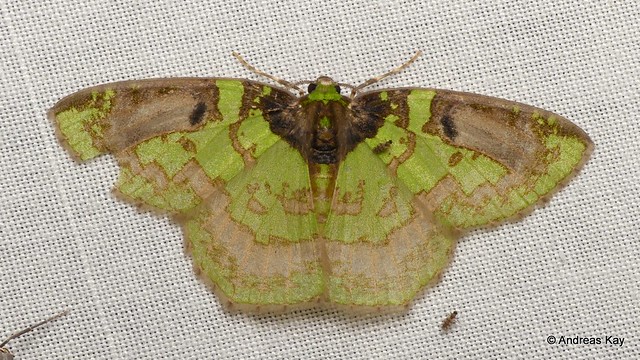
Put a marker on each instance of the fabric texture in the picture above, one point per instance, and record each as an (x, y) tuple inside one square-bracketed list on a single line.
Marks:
[(569, 269)]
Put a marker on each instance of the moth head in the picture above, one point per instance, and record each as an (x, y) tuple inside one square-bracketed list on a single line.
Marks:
[(324, 88)]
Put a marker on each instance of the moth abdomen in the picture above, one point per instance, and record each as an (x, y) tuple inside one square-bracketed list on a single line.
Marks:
[(324, 156)]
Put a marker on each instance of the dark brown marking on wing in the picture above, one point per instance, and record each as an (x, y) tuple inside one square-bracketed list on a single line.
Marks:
[(142, 109), (368, 118), (211, 97), (250, 92), (281, 110), (187, 145), (393, 108), (382, 147), (456, 157), (197, 115), (402, 110), (371, 109), (486, 125), (410, 142), (448, 126), (370, 112)]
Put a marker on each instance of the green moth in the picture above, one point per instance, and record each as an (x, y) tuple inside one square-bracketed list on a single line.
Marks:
[(291, 200)]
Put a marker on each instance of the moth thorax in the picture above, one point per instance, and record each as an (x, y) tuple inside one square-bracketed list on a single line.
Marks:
[(324, 148)]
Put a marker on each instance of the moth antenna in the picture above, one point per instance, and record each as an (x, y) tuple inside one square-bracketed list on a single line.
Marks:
[(346, 85), (385, 75), (302, 82), (255, 70), (33, 327)]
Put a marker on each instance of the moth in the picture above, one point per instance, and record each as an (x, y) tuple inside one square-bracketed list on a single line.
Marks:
[(290, 198), (5, 354)]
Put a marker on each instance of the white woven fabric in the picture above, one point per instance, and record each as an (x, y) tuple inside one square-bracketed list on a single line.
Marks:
[(569, 269)]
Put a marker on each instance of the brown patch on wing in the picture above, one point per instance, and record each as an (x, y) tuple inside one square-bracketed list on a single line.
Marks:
[(491, 130), (370, 107), (142, 109), (229, 245), (299, 204), (456, 157), (389, 207), (187, 145), (247, 154), (282, 111), (254, 205), (349, 203), (158, 108), (411, 147), (396, 104), (397, 264), (382, 147), (233, 247), (505, 131), (276, 105)]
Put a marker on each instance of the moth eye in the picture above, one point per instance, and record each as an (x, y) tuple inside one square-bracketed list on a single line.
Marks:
[(338, 89), (311, 87)]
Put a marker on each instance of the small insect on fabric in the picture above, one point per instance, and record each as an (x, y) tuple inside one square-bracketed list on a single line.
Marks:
[(5, 354), (291, 200), (449, 321)]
